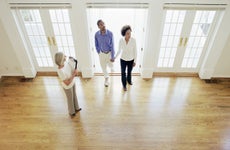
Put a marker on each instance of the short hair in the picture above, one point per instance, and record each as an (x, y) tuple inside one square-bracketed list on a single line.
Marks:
[(100, 20), (59, 58), (124, 29)]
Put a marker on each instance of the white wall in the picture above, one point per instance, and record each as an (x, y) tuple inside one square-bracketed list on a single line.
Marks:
[(15, 42), (216, 46), (9, 64), (222, 68)]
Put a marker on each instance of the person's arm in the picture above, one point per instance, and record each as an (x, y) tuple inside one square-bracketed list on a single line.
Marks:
[(119, 49), (96, 43), (70, 79), (112, 47)]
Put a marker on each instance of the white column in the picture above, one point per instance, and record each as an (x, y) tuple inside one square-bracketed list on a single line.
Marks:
[(152, 39), (80, 29), (16, 41), (216, 46)]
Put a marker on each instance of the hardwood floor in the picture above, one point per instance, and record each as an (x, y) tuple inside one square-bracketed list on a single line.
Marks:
[(163, 113)]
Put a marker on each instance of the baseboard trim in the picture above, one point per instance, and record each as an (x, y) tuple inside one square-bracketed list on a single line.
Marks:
[(155, 74), (175, 74), (52, 73), (218, 80), (12, 78)]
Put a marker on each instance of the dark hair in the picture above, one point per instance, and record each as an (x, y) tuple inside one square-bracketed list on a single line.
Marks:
[(99, 22), (124, 29)]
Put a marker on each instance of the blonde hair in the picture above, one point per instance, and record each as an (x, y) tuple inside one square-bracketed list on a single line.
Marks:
[(59, 58)]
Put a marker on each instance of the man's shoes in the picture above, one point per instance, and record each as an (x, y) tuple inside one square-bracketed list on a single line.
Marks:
[(106, 82), (124, 88), (72, 115), (78, 110)]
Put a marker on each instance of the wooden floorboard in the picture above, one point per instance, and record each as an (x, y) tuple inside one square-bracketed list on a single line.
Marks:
[(163, 113)]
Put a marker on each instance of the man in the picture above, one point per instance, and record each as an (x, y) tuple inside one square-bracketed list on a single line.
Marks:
[(104, 44)]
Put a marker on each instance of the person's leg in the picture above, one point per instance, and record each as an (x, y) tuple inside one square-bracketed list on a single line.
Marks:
[(76, 106), (130, 68), (103, 62), (70, 100), (123, 74), (109, 63)]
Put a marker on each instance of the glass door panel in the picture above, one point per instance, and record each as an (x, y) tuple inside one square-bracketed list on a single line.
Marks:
[(46, 31), (171, 37), (197, 38), (184, 39), (136, 18), (37, 37)]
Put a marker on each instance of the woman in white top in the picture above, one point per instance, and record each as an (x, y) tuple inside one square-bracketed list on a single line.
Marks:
[(66, 72), (128, 50)]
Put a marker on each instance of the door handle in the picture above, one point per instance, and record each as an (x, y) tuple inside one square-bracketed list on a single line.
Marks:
[(49, 41), (181, 41), (54, 41), (185, 41)]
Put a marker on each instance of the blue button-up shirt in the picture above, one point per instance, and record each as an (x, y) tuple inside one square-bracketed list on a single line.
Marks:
[(104, 42)]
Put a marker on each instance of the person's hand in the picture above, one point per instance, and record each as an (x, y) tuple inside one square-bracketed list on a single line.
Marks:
[(112, 60), (75, 72), (134, 64)]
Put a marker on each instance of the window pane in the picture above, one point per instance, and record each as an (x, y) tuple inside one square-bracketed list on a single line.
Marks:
[(175, 16), (190, 42), (172, 29), (198, 17), (162, 52), (211, 16), (39, 61), (68, 29), (166, 29), (178, 29), (194, 30), (186, 55), (56, 28), (169, 16), (160, 62), (181, 16), (62, 29), (173, 53), (70, 41), (176, 41), (65, 15), (196, 42), (59, 15), (170, 41), (64, 41)]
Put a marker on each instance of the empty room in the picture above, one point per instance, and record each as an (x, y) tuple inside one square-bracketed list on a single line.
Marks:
[(114, 75)]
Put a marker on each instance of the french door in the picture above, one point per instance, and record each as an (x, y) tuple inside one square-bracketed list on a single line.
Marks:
[(184, 40), (45, 31), (114, 19)]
